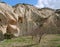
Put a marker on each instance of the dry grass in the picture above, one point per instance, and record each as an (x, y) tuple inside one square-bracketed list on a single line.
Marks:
[(47, 41)]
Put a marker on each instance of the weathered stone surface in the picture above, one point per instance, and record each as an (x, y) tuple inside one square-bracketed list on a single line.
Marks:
[(23, 19)]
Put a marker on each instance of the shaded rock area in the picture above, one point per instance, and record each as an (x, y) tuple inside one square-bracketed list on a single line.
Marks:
[(25, 19)]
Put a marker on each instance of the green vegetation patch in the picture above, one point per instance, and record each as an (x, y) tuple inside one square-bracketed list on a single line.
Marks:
[(58, 39)]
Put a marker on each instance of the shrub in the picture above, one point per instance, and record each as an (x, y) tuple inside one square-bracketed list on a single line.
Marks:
[(1, 36), (8, 35)]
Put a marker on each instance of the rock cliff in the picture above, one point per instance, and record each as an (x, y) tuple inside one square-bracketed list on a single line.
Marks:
[(22, 19)]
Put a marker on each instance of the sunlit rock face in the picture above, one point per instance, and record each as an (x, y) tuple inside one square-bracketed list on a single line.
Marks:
[(22, 19), (7, 17)]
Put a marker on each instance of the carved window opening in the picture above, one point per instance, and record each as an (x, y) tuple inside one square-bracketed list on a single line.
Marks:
[(0, 20), (20, 19)]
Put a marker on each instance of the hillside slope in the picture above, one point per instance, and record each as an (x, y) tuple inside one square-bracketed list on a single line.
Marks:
[(23, 19)]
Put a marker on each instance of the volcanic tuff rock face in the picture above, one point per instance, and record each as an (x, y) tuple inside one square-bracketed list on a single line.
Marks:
[(23, 18)]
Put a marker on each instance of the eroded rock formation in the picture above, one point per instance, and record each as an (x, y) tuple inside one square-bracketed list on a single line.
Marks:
[(24, 19)]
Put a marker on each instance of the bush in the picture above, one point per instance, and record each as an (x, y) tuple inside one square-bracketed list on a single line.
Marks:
[(1, 36), (8, 36)]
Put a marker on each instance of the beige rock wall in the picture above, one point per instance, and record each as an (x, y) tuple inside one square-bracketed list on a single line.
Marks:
[(22, 19)]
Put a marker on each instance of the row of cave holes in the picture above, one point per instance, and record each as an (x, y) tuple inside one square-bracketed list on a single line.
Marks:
[(20, 19)]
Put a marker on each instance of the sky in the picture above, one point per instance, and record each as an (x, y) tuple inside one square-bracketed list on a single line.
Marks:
[(38, 3), (13, 2)]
